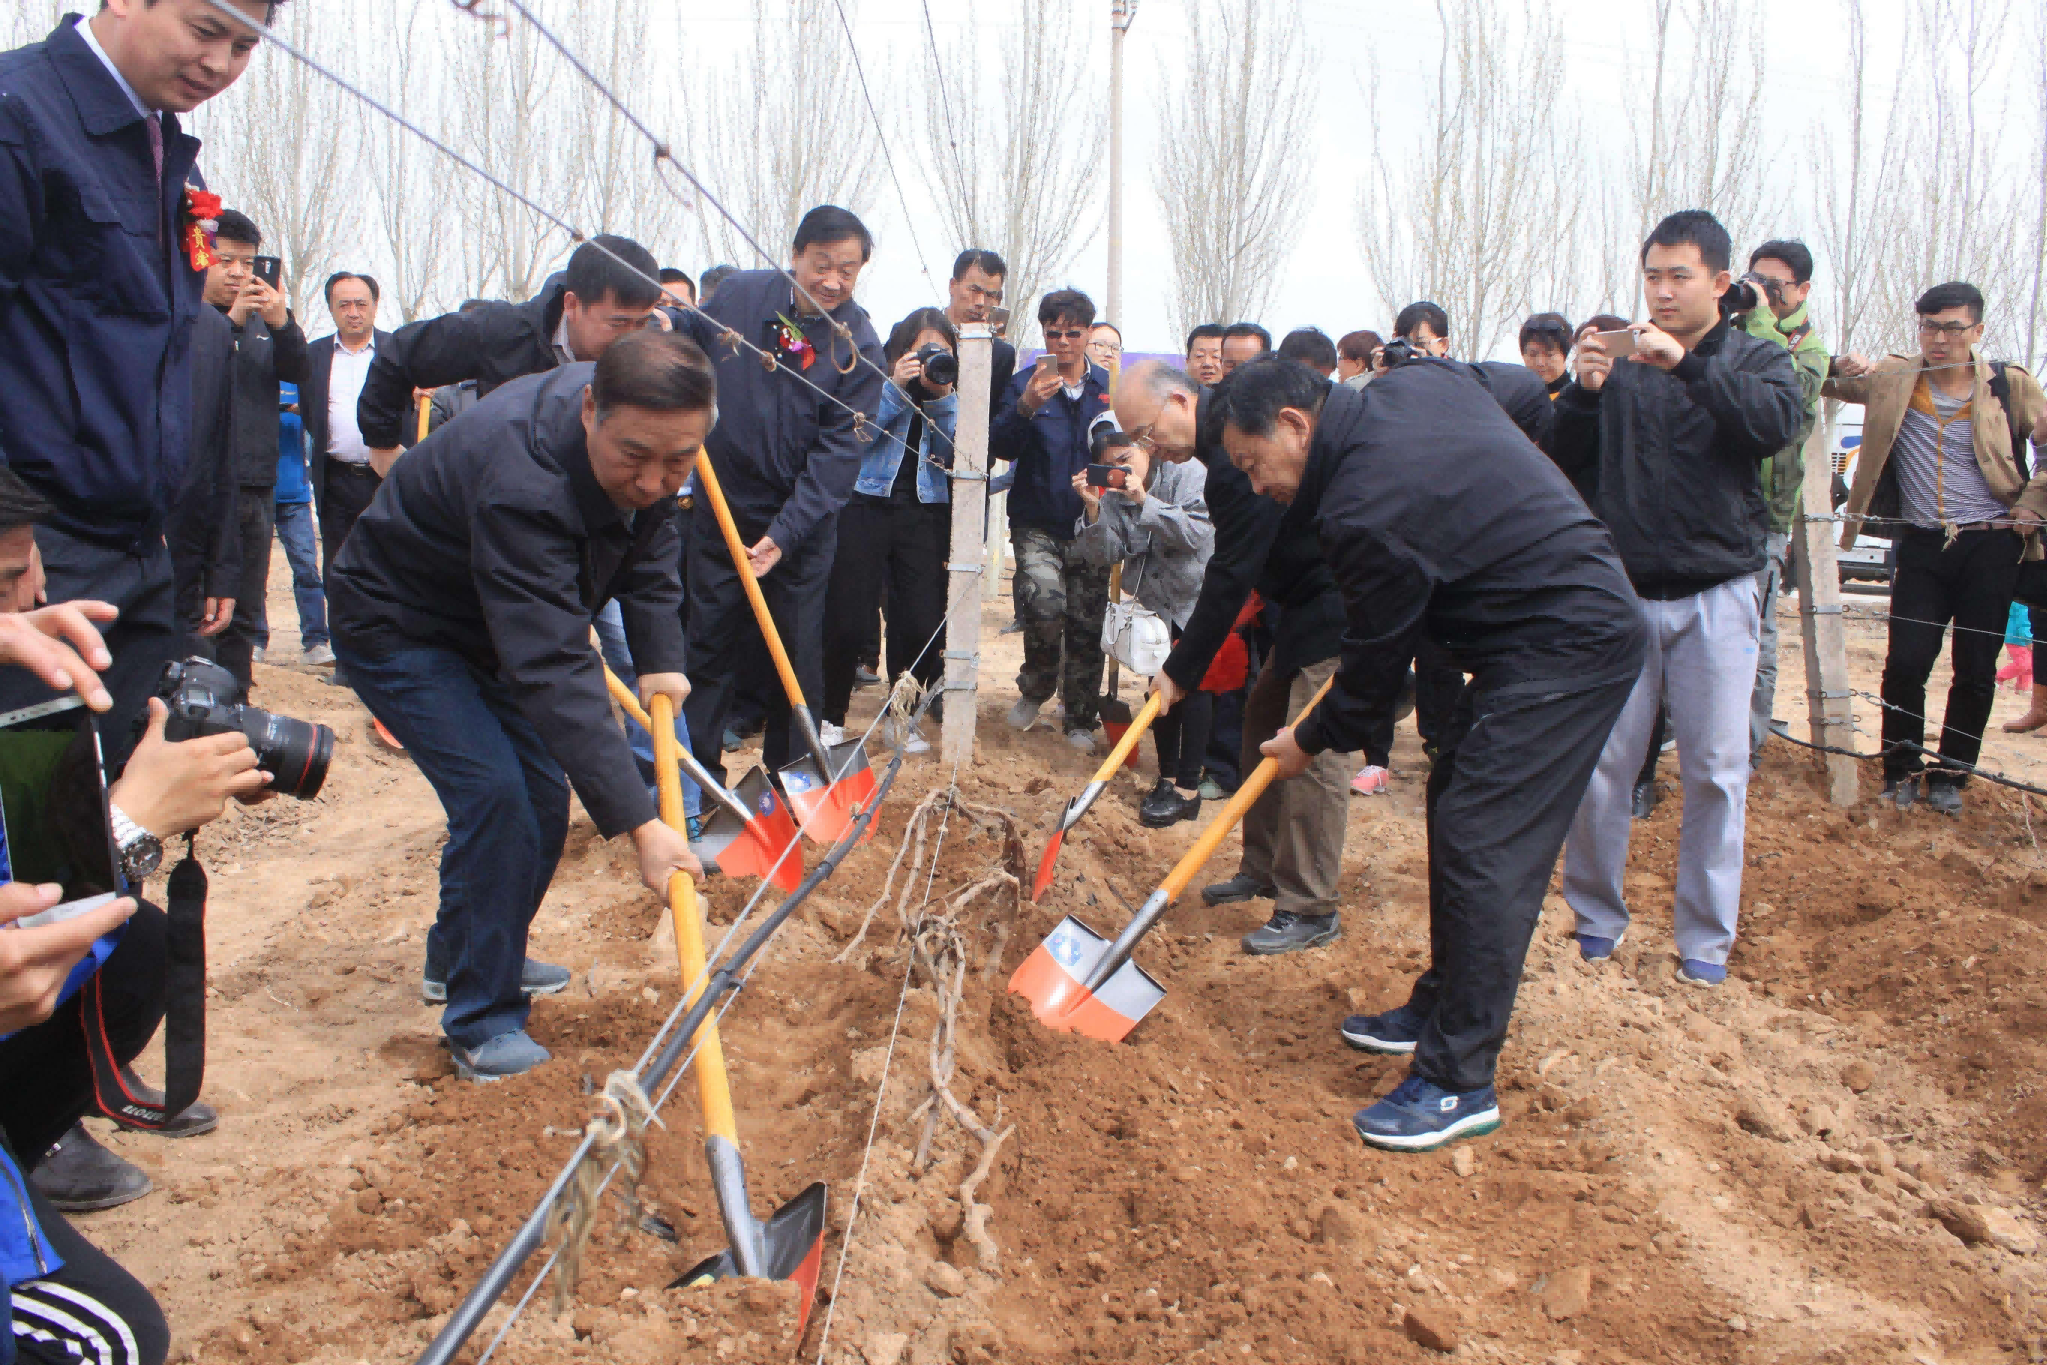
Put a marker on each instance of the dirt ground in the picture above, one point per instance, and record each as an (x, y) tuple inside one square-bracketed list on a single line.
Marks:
[(1835, 1158)]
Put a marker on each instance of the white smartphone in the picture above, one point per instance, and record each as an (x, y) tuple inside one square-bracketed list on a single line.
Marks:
[(54, 823), (1619, 345)]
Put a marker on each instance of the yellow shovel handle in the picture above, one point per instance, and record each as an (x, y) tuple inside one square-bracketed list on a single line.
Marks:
[(714, 1088), (630, 704), (707, 477), (1254, 786), (1138, 725), (426, 407)]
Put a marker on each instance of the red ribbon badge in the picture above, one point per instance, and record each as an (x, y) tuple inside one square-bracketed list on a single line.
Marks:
[(202, 208)]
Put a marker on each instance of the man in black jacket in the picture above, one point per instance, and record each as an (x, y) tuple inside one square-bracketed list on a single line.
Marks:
[(1440, 522), (1672, 440), (268, 347), (202, 531), (978, 278), (1293, 835), (786, 456), (461, 610)]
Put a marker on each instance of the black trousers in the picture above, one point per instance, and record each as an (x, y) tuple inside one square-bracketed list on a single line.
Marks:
[(1438, 688), (144, 638), (90, 1312), (726, 647), (890, 553), (346, 493), (1505, 784), (1970, 584), (1181, 735), (1225, 738), (256, 522)]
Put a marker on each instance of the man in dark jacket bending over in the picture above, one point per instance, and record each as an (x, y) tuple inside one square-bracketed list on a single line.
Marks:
[(462, 604), (1441, 522)]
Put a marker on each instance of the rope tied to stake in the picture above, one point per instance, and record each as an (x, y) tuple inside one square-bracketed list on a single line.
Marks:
[(617, 1133)]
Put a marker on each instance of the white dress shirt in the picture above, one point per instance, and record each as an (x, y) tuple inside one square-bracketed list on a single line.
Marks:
[(344, 386)]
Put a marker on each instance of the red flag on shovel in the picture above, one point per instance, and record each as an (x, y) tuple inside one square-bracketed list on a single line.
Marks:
[(1077, 981)]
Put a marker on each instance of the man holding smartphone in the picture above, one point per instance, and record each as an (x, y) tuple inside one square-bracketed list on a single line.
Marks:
[(269, 348)]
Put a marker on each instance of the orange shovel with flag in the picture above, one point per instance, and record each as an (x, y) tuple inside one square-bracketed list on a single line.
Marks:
[(827, 787), (1078, 806), (1077, 981)]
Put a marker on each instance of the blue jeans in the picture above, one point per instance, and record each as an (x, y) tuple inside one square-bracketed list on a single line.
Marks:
[(611, 644), (296, 530), (507, 803)]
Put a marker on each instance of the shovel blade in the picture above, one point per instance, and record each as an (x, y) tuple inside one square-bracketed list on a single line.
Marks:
[(792, 1244), (824, 808), (1053, 979), (1115, 730), (751, 848), (1044, 877)]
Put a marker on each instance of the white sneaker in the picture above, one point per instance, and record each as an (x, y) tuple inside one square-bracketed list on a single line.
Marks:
[(1082, 740), (1024, 713), (831, 734), (256, 655), (318, 654)]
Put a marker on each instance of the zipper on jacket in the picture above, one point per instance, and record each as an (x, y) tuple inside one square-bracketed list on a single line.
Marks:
[(28, 1220)]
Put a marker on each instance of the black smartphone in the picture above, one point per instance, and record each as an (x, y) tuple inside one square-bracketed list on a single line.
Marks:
[(269, 269), (1107, 476), (54, 821)]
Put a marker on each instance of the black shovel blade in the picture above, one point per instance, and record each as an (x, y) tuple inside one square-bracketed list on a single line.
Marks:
[(792, 1245)]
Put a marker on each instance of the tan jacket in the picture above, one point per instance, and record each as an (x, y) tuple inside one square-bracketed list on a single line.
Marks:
[(1886, 392)]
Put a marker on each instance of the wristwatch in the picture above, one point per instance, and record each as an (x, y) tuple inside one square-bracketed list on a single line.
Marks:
[(140, 851)]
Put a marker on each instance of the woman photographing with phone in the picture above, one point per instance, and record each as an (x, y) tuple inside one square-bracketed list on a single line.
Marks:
[(895, 530)]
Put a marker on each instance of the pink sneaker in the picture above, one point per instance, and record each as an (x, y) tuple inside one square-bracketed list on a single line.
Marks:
[(1370, 781)]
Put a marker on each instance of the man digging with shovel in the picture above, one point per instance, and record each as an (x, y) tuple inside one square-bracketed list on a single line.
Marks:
[(1442, 523)]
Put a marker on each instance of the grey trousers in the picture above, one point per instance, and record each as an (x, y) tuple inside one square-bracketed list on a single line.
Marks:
[(1702, 661), (1764, 699), (1293, 833)]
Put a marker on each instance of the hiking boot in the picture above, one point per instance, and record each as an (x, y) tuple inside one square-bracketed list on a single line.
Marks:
[(1287, 932), (195, 1119), (1237, 888), (1647, 795), (1944, 797), (508, 1054), (1693, 972), (863, 676), (1024, 713), (318, 655), (1166, 806), (1083, 741), (1370, 781), (1901, 792), (1395, 1032), (536, 978), (1593, 948), (80, 1176), (1420, 1116)]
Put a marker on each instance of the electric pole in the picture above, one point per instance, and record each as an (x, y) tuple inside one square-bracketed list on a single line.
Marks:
[(1121, 12)]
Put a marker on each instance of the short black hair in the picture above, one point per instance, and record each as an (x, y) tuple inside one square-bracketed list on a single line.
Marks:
[(988, 261), (1205, 332), (376, 295), (670, 275), (828, 223), (1312, 347), (714, 277), (617, 266), (1550, 329), (1423, 313), (663, 371), (1249, 329), (1954, 294), (1701, 229), (1360, 346), (1795, 255), (20, 505), (236, 226), (1252, 395), (910, 328), (1103, 439), (1066, 305)]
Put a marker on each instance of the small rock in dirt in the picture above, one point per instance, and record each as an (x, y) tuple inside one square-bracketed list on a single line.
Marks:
[(1858, 1075), (2010, 1231), (947, 1223), (1463, 1162), (885, 1348), (1846, 1163), (1568, 1293), (1965, 1221), (1430, 1326), (1339, 1226), (1763, 1118), (945, 1280), (369, 1201)]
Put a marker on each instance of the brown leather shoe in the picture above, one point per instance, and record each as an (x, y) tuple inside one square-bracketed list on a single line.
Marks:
[(2033, 719)]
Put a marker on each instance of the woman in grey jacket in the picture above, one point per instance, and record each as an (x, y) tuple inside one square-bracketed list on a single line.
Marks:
[(1157, 527)]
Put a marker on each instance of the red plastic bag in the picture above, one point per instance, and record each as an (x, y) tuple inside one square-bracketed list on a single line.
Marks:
[(1232, 663)]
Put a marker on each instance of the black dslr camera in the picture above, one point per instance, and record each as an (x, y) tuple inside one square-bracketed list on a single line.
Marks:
[(941, 367), (201, 697), (1749, 293), (1398, 352)]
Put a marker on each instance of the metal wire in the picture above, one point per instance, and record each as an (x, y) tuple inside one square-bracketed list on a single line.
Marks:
[(881, 135), (952, 137)]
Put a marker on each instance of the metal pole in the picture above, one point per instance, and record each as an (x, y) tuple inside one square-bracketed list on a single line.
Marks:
[(1829, 707), (1121, 12), (969, 555)]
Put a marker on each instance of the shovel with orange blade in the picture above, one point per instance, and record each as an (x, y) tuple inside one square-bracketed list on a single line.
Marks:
[(1077, 981), (790, 1244), (750, 830), (1078, 806), (824, 789)]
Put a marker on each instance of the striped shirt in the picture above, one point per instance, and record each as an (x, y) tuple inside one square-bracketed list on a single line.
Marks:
[(1939, 481)]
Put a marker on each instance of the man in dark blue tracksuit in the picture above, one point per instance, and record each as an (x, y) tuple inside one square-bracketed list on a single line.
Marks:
[(1043, 427)]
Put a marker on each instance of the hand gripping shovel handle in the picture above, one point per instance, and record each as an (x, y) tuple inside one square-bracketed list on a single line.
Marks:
[(630, 704), (1095, 787), (1204, 847), (707, 477)]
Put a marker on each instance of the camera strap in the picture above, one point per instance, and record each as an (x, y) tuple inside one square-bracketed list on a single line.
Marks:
[(184, 1019)]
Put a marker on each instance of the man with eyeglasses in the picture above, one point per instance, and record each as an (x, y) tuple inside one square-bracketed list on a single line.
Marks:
[(1043, 427), (1943, 452)]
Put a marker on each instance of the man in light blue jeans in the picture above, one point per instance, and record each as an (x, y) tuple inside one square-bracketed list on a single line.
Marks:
[(299, 536), (610, 625)]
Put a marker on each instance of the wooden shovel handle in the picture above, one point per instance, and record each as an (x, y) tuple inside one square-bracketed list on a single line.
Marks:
[(707, 479), (1138, 725), (1253, 787), (426, 407)]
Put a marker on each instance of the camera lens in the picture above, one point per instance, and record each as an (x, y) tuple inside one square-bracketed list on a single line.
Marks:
[(941, 367), (294, 752)]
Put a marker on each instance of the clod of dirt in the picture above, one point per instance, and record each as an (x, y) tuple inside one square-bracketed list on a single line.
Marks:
[(945, 1280), (2011, 1232), (1567, 1293), (1764, 1118), (1338, 1226), (1464, 1162), (1965, 1221), (884, 1348), (1858, 1075), (1430, 1326)]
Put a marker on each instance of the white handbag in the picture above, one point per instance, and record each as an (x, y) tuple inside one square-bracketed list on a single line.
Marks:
[(1136, 637)]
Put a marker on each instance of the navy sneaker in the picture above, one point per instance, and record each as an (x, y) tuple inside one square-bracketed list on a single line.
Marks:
[(1693, 972), (536, 978), (1420, 1116), (1593, 948), (508, 1054), (1394, 1032)]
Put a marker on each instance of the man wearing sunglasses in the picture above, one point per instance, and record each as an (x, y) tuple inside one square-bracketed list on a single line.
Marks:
[(1944, 437), (1043, 427)]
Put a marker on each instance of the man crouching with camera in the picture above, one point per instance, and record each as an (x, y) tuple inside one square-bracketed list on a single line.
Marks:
[(461, 610)]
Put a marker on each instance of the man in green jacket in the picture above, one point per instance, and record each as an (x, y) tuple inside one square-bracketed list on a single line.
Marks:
[(1782, 274)]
